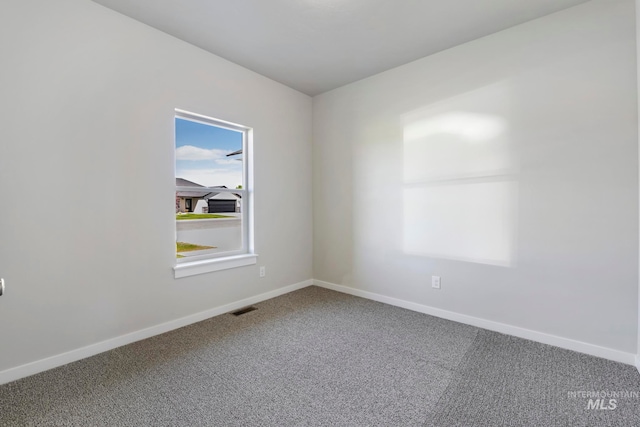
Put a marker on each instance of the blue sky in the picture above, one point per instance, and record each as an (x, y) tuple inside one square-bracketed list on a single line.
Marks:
[(201, 154)]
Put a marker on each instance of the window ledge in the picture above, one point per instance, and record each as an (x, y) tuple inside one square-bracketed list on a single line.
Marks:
[(213, 264)]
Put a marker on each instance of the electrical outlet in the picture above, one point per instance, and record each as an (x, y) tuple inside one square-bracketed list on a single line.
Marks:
[(263, 271), (435, 282)]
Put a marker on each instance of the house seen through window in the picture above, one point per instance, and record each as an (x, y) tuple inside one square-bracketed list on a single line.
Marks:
[(211, 191)]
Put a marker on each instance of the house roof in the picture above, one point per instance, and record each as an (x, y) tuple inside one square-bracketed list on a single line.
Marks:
[(199, 190), (181, 182), (225, 196)]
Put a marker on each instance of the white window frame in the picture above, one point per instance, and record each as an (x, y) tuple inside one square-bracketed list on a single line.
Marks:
[(246, 255)]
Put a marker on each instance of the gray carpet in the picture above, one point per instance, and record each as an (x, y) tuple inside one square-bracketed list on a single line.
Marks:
[(317, 357)]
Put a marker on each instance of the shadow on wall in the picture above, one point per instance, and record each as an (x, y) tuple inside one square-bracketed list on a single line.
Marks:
[(460, 183)]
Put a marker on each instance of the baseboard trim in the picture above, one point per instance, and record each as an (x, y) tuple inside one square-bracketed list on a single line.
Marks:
[(638, 363), (42, 365), (566, 343)]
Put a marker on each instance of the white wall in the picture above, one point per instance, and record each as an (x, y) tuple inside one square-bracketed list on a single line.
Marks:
[(508, 166), (637, 5), (87, 106)]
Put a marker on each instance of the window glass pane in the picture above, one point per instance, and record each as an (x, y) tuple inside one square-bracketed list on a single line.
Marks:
[(208, 155), (208, 236), (208, 158)]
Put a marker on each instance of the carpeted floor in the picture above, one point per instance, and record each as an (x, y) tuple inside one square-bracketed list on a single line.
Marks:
[(317, 357)]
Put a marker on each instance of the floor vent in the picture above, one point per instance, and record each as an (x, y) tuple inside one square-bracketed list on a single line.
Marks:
[(243, 311)]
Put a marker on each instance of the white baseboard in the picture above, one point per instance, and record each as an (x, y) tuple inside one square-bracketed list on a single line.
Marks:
[(566, 343), (42, 365)]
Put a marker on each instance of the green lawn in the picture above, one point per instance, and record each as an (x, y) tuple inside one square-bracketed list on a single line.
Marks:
[(186, 247), (184, 216)]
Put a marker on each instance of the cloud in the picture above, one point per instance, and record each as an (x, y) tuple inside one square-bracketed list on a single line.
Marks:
[(232, 162), (189, 152), (212, 177)]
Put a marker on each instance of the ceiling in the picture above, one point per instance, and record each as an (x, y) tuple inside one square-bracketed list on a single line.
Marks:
[(317, 45)]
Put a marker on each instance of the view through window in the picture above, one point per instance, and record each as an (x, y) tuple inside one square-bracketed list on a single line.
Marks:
[(211, 195)]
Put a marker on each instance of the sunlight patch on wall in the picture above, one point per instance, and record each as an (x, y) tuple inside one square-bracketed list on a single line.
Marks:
[(469, 126), (455, 145), (461, 221), (460, 188)]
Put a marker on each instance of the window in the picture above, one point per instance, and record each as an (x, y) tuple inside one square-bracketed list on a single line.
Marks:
[(213, 195)]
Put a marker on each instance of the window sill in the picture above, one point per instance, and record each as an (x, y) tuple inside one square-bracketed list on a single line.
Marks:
[(213, 264)]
